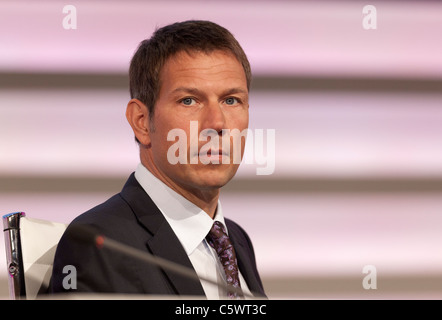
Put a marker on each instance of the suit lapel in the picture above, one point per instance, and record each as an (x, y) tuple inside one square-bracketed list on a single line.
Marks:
[(246, 263), (166, 245), (163, 242)]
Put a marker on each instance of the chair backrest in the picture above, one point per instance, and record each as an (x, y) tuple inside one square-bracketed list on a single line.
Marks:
[(30, 249)]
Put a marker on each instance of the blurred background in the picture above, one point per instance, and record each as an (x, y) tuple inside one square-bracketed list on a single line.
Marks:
[(357, 115)]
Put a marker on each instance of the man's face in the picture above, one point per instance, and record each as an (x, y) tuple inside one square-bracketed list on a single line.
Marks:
[(209, 90)]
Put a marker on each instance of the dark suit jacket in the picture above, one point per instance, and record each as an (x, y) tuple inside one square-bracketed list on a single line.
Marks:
[(132, 218)]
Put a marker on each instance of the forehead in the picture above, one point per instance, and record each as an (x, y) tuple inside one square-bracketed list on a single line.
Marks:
[(190, 67)]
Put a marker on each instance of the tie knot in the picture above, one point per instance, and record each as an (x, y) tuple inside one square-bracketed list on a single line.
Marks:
[(218, 237)]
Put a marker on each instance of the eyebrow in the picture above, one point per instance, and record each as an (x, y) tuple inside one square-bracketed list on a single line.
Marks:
[(196, 91)]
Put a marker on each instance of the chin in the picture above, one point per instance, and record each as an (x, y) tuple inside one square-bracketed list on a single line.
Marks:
[(215, 178)]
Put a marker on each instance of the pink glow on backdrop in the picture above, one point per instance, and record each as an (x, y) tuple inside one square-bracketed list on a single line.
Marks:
[(300, 37)]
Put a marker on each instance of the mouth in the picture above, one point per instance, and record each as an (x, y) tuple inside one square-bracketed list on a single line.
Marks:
[(214, 156), (214, 153)]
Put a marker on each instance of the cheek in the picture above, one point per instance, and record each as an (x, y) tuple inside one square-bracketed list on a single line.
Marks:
[(163, 125), (169, 134), (240, 122), (159, 138)]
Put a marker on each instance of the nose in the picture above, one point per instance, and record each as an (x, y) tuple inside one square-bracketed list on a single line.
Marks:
[(213, 118)]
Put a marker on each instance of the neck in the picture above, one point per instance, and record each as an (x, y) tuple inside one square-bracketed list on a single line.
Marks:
[(207, 201), (204, 198)]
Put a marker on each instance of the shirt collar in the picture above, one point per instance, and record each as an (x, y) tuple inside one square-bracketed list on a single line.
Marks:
[(190, 223)]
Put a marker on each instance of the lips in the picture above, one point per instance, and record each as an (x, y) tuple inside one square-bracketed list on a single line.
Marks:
[(211, 150), (214, 153), (211, 155)]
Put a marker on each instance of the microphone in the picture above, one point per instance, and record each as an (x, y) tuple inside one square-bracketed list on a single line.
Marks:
[(89, 235)]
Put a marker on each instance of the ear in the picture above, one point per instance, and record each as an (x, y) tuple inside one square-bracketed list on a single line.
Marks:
[(137, 115)]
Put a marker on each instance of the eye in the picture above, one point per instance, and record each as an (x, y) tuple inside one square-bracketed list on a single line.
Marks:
[(188, 101), (231, 101)]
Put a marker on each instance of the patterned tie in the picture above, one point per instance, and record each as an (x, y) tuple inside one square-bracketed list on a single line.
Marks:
[(219, 240)]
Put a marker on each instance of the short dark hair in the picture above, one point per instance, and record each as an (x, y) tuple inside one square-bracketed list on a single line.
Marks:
[(189, 36)]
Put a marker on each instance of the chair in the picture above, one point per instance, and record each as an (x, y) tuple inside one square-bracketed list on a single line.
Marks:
[(30, 249)]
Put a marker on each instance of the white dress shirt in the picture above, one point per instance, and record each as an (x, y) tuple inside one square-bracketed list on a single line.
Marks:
[(191, 225)]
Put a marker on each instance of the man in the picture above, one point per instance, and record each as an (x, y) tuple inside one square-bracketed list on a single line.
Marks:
[(190, 76)]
